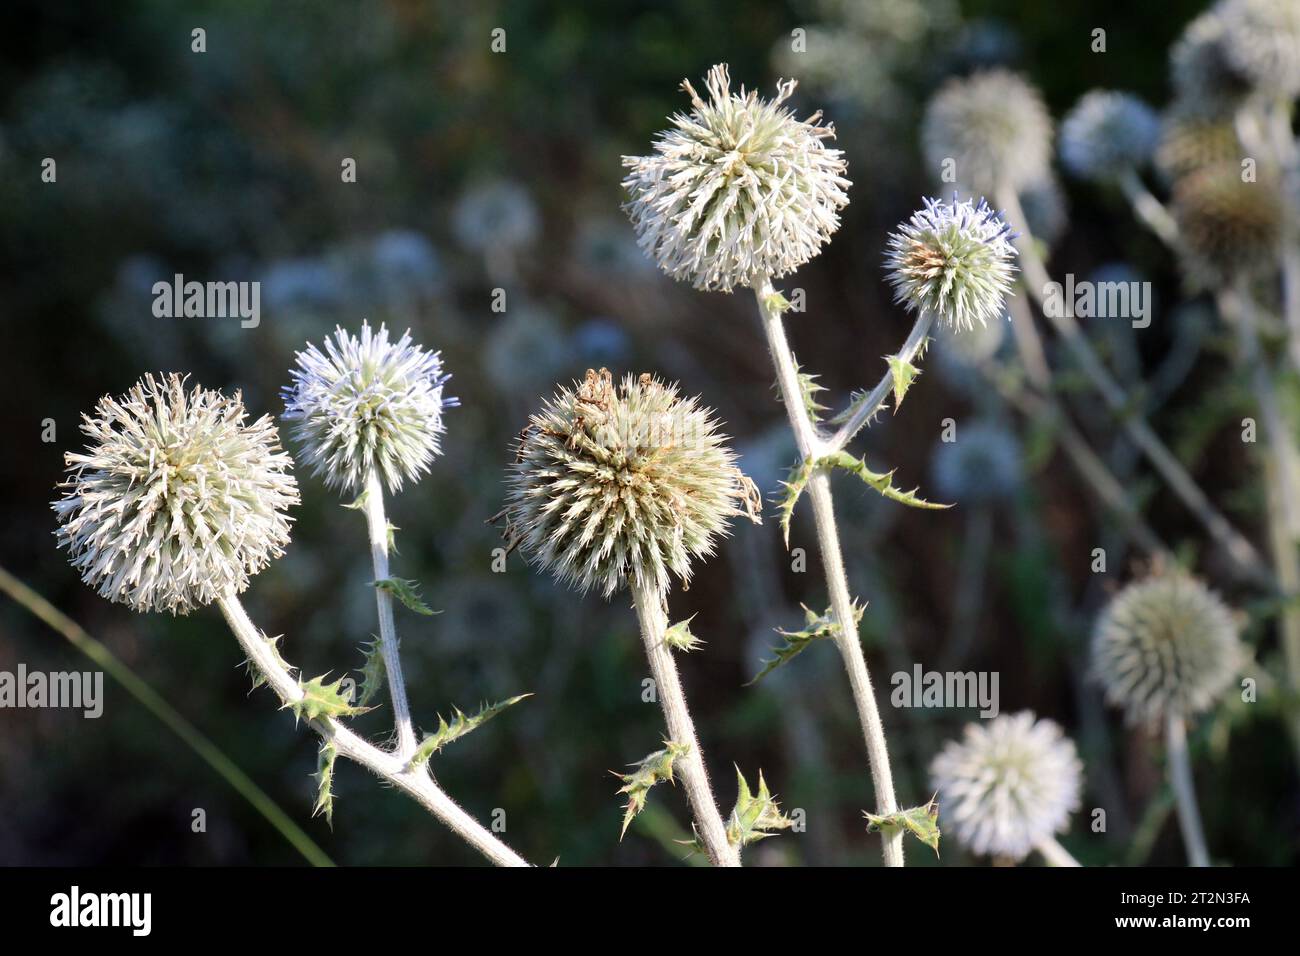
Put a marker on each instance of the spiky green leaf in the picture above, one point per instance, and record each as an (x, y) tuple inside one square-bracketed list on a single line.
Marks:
[(255, 672), (903, 373), (654, 768), (358, 503), (816, 627), (459, 725), (679, 637), (320, 699), (407, 592), (756, 815), (794, 486), (372, 673), (324, 777), (881, 482), (922, 822)]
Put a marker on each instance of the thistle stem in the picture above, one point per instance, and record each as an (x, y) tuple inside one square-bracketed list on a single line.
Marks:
[(389, 767), (811, 448), (377, 523), (1180, 780), (1054, 853), (867, 407), (1148, 208), (1036, 280), (653, 618)]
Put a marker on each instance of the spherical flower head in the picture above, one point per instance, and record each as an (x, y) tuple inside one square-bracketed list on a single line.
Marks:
[(737, 190), (983, 464), (494, 214), (367, 404), (1165, 646), (1261, 39), (953, 260), (618, 483), (1009, 784), (1204, 76), (993, 126), (1107, 133), (1191, 139), (1229, 227), (176, 500)]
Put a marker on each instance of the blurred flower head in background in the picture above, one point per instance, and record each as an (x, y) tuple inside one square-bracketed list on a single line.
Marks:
[(983, 464), (1106, 134)]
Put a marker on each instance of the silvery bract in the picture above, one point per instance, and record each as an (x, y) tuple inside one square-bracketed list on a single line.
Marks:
[(367, 403), (1165, 647), (177, 499), (1107, 133), (994, 127), (737, 190), (953, 260), (1008, 785), (622, 482)]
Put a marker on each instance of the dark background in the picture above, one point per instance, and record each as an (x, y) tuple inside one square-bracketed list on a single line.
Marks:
[(225, 165)]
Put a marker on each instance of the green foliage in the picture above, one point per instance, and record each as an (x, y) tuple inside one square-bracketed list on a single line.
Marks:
[(255, 672), (798, 481), (883, 483), (372, 673), (756, 815), (903, 373), (679, 637), (653, 769), (922, 822), (324, 777), (816, 627), (459, 725), (809, 388), (406, 591), (320, 699)]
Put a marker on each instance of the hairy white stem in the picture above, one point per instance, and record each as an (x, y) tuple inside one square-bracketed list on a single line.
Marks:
[(1180, 781), (1054, 853), (872, 403), (653, 618), (377, 523), (1036, 280), (388, 767), (811, 448), (1148, 208)]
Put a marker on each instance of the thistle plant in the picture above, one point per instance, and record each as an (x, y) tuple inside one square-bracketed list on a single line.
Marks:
[(741, 192), (1166, 649), (626, 485), (175, 503), (1108, 135), (1009, 786)]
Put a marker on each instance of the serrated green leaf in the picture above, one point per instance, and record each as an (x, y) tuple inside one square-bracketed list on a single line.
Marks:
[(324, 777), (798, 481), (654, 768), (358, 503), (680, 638), (809, 387), (372, 673), (922, 822), (883, 483), (903, 373), (406, 591), (320, 699), (459, 725), (255, 672), (755, 815), (816, 627)]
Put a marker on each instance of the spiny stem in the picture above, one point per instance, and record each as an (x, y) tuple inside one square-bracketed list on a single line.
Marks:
[(1036, 280), (868, 407), (653, 618), (390, 767), (811, 448), (1054, 853), (1180, 780), (377, 524)]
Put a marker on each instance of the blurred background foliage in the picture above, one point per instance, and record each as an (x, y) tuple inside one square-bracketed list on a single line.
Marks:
[(479, 171)]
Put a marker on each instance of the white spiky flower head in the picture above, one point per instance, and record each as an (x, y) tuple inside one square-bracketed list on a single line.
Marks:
[(737, 190), (953, 260), (1106, 133), (176, 500), (1261, 38), (613, 483), (365, 404), (993, 126), (1165, 646), (1008, 785)]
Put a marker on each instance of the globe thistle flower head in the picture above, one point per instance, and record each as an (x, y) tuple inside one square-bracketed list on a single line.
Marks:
[(1009, 784), (613, 483), (1261, 38), (982, 465), (177, 499), (1191, 139), (1204, 76), (1165, 646), (953, 260), (367, 403), (1106, 133), (993, 126), (1229, 227), (496, 213), (737, 190)]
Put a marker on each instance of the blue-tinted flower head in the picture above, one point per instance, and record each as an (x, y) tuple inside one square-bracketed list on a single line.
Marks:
[(1106, 133)]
